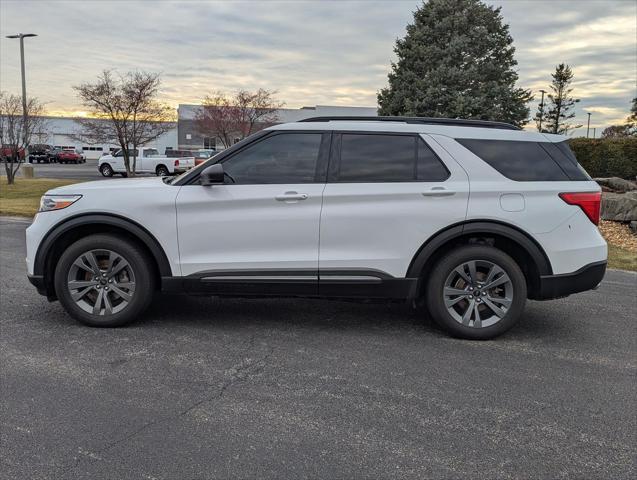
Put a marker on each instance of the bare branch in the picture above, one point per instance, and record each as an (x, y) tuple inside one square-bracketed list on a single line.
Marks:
[(124, 111), (238, 116), (17, 132)]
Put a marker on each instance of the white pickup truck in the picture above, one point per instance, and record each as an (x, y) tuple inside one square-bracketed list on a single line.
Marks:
[(148, 161)]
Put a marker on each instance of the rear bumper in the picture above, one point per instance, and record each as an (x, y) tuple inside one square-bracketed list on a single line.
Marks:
[(586, 278)]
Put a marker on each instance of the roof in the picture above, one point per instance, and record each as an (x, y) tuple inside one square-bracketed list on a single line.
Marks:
[(418, 120), (458, 129)]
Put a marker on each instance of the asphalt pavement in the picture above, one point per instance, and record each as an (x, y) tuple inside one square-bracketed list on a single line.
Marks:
[(81, 172), (204, 388)]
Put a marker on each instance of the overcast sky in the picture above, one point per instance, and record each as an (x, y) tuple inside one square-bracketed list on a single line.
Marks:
[(312, 52)]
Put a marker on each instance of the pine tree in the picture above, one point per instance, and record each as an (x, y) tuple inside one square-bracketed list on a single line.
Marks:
[(456, 61), (561, 102)]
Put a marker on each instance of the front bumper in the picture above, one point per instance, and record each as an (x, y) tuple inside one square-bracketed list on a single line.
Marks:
[(38, 282), (586, 278)]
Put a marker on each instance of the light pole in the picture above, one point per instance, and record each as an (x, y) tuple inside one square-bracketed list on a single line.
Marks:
[(588, 125), (25, 123), (541, 111)]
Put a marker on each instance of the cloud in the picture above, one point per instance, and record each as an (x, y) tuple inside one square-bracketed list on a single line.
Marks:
[(311, 52)]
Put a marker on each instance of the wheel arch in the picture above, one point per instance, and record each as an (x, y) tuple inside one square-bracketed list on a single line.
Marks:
[(74, 228), (525, 250)]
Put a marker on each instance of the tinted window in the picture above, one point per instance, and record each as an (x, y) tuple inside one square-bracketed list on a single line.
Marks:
[(430, 168), (282, 158), (388, 158), (565, 157), (131, 153), (521, 161)]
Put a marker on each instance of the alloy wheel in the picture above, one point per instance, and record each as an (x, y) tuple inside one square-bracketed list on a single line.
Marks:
[(478, 293), (101, 282)]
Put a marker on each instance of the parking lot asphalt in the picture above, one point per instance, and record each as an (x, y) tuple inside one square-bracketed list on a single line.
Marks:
[(83, 171), (292, 388)]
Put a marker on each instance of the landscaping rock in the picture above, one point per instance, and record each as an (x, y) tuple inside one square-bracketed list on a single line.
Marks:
[(616, 184), (620, 207)]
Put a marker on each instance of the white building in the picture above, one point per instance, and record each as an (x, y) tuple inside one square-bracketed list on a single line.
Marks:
[(63, 132)]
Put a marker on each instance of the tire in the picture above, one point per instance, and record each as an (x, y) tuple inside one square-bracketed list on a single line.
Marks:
[(134, 280), (162, 171), (498, 308), (106, 170)]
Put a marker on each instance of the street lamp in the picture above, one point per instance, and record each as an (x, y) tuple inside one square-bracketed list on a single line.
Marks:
[(588, 125), (22, 36), (541, 110)]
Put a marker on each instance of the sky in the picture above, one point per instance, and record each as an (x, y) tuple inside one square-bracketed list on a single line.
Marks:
[(326, 52)]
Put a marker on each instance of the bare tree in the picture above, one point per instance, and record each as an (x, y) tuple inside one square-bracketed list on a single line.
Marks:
[(15, 133), (239, 115), (124, 110)]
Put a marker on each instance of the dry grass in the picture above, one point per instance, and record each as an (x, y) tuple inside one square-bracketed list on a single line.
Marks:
[(622, 245), (23, 197)]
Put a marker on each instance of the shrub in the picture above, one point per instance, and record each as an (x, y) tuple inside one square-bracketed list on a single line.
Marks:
[(607, 157)]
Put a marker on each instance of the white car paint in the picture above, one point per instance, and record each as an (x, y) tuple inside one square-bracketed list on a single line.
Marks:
[(147, 161), (147, 201), (376, 226)]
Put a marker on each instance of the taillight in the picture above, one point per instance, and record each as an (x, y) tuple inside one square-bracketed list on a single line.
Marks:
[(176, 163), (589, 202)]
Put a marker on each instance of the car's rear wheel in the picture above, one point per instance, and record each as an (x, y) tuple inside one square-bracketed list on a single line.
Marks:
[(476, 292), (106, 170), (162, 171), (104, 280)]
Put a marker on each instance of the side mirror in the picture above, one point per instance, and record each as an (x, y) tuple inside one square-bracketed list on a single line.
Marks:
[(212, 175)]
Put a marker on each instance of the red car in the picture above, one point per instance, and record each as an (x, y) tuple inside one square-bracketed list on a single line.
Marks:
[(68, 156), (7, 151)]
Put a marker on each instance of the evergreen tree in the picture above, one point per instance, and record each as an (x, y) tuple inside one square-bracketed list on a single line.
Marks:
[(561, 102), (456, 61)]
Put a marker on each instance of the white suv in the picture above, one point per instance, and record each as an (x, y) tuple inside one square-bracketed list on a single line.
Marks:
[(466, 218)]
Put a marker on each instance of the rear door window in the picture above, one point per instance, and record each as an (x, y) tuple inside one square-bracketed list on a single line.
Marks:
[(520, 161), (380, 158)]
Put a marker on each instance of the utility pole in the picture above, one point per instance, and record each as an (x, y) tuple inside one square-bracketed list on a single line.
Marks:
[(588, 125), (594, 129), (25, 122), (541, 111)]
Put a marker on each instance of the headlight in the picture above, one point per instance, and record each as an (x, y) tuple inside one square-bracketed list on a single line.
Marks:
[(49, 203)]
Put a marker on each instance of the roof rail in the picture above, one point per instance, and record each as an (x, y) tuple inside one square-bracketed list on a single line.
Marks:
[(419, 120)]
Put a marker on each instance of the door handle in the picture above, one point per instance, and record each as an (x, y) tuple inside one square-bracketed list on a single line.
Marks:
[(438, 192), (291, 197)]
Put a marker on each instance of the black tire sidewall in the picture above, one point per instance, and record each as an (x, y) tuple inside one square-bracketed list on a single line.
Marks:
[(439, 274), (109, 173), (139, 263)]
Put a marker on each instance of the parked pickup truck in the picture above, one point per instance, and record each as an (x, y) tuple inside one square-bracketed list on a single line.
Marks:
[(148, 161)]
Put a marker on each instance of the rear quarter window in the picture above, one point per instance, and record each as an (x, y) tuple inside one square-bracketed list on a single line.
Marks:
[(520, 161)]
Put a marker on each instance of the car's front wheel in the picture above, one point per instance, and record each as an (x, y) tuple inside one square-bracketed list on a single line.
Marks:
[(476, 292), (106, 170), (104, 280)]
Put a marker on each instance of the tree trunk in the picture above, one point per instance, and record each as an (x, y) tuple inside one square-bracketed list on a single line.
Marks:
[(134, 159), (127, 163), (8, 166)]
